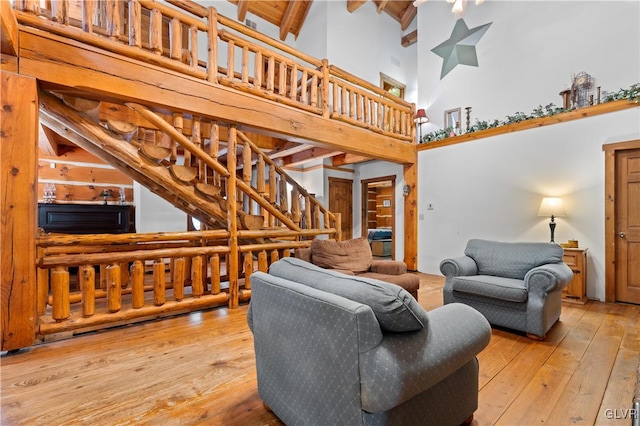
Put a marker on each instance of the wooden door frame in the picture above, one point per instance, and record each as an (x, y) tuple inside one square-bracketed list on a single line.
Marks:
[(338, 179), (610, 152), (363, 210)]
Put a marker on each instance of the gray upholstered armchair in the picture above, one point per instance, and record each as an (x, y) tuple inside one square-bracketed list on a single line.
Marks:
[(514, 285), (333, 349)]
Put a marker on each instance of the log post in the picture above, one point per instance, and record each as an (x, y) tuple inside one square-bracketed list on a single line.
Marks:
[(19, 160), (88, 10), (61, 309), (338, 226), (155, 32), (411, 217), (263, 265), (232, 219), (60, 11), (193, 48), (230, 59), (159, 283), (212, 70), (274, 255), (113, 18), (178, 278), (325, 89), (258, 70), (215, 273), (197, 283), (175, 39), (137, 284), (87, 276), (103, 277), (42, 289), (114, 289), (124, 275), (135, 23), (248, 269)]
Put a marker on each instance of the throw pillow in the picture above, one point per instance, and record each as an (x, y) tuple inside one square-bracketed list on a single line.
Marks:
[(395, 309), (351, 255)]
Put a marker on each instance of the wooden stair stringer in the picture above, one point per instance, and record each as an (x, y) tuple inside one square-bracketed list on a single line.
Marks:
[(124, 156)]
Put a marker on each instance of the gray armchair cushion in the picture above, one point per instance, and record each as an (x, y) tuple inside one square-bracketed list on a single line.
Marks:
[(511, 260), (395, 309), (494, 287), (455, 334)]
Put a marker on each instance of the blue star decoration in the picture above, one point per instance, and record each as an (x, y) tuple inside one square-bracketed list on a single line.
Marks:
[(460, 49)]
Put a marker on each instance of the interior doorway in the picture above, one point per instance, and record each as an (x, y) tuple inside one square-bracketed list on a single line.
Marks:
[(622, 225), (378, 214), (341, 201)]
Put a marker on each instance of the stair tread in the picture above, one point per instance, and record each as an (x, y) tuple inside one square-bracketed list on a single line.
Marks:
[(183, 174), (154, 152)]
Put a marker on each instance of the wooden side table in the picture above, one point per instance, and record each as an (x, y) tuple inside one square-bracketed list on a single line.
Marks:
[(576, 259)]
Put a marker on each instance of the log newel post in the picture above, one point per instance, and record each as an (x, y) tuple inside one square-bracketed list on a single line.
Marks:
[(232, 219)]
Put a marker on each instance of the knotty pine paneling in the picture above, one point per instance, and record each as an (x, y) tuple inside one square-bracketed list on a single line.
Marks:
[(80, 177)]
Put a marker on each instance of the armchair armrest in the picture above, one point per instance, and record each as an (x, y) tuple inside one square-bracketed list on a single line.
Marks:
[(388, 267), (546, 278), (406, 364), (458, 266)]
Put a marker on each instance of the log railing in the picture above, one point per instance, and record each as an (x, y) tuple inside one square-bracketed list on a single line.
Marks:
[(213, 169), (198, 42), (83, 283)]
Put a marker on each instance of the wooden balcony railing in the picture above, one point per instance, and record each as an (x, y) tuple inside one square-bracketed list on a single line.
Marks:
[(197, 42)]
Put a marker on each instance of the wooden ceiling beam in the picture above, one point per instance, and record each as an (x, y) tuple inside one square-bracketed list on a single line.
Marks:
[(287, 149), (48, 142), (409, 39), (409, 13), (311, 154), (243, 8), (381, 5), (353, 5), (345, 158), (287, 20)]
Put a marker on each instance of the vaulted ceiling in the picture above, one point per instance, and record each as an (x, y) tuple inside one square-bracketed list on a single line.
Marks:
[(289, 15)]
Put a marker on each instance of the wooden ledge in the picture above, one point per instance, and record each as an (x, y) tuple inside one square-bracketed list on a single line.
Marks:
[(562, 117)]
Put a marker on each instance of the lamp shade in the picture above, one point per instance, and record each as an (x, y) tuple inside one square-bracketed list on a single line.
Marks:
[(421, 116), (551, 207)]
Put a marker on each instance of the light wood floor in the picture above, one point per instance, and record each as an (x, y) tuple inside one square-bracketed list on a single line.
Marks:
[(198, 369)]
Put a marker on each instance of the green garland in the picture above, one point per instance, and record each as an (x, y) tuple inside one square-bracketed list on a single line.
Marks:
[(632, 94)]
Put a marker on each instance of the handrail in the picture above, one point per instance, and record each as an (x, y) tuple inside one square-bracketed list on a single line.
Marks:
[(306, 87)]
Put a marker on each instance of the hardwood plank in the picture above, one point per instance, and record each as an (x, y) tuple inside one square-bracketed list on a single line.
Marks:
[(505, 387), (535, 402), (621, 385), (580, 401), (199, 368)]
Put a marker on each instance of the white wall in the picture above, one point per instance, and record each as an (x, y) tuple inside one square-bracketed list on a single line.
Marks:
[(492, 188), (528, 54)]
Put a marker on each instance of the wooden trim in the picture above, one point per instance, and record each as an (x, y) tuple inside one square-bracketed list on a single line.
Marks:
[(576, 114), (409, 39), (8, 29), (19, 159), (610, 151), (364, 185), (411, 217)]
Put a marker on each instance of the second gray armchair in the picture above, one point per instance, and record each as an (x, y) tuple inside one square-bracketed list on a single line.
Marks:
[(514, 285)]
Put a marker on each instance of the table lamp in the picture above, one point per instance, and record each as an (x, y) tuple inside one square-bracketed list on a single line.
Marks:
[(551, 206)]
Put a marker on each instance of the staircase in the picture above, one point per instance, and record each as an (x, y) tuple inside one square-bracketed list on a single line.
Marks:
[(179, 134)]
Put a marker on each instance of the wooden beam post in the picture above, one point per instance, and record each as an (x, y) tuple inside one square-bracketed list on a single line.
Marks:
[(19, 160), (411, 217)]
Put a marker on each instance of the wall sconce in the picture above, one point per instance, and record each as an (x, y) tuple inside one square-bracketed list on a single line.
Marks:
[(552, 207), (420, 119), (406, 190)]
